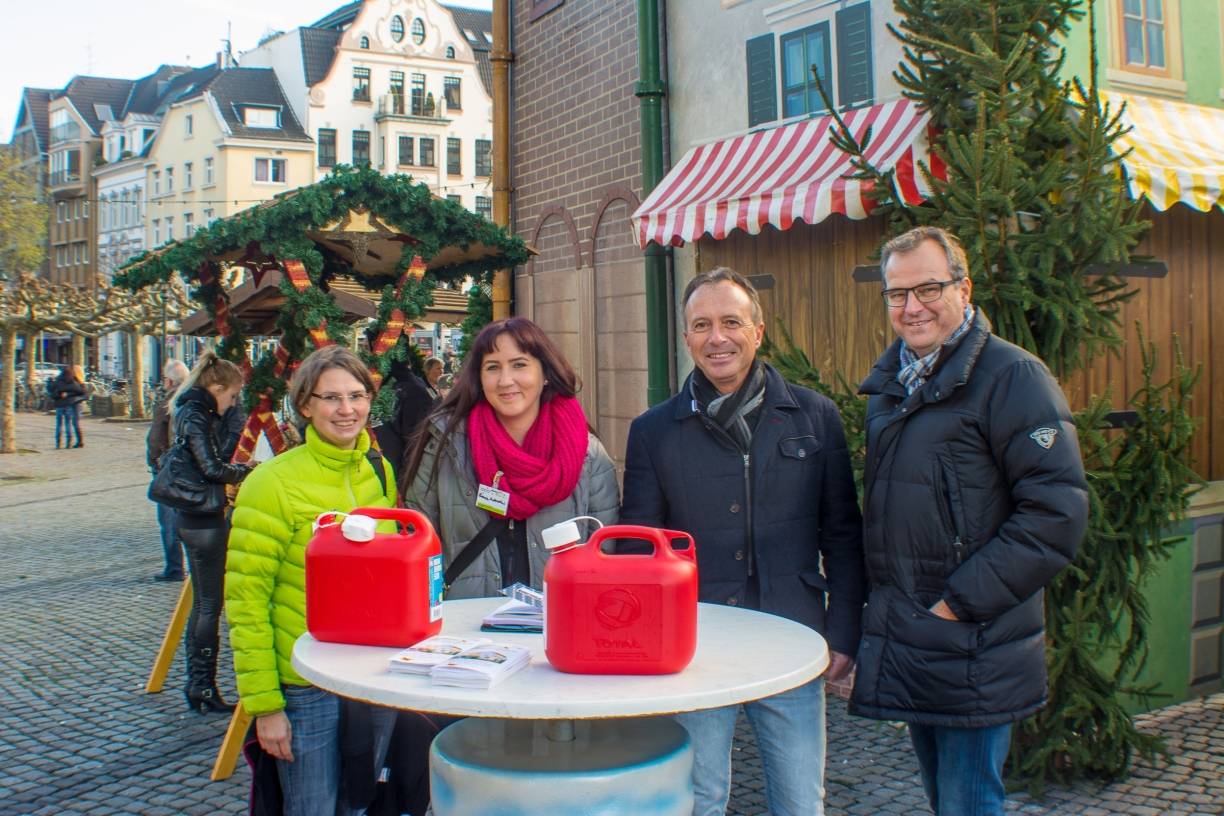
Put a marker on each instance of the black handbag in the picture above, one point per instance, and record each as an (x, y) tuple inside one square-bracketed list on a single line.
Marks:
[(180, 484)]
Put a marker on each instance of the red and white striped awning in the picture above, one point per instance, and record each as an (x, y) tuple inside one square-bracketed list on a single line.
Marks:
[(785, 174)]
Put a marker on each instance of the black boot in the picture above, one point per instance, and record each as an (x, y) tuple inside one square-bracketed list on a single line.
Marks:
[(201, 692)]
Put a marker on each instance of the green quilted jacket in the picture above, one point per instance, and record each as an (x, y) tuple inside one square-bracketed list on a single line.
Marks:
[(265, 570)]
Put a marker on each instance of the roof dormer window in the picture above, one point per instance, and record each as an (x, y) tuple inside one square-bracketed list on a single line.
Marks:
[(256, 117), (418, 31), (397, 28), (365, 42)]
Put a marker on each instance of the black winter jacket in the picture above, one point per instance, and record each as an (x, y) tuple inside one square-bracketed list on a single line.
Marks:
[(413, 403), (65, 392), (779, 511), (207, 436), (974, 494)]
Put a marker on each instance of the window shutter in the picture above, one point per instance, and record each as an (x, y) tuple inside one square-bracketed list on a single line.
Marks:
[(762, 86), (854, 86)]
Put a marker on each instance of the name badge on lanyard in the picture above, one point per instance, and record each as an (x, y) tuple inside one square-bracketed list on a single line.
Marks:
[(492, 498)]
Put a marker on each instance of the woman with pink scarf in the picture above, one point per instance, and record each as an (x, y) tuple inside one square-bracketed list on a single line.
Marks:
[(506, 454)]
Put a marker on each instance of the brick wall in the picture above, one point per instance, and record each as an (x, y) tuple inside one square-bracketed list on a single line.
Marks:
[(577, 176)]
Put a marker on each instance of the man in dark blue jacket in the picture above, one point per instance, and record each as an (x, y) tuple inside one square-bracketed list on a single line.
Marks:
[(757, 470), (974, 498)]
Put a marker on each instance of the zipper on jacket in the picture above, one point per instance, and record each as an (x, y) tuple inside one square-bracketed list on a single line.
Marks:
[(946, 512), (748, 514), (348, 482)]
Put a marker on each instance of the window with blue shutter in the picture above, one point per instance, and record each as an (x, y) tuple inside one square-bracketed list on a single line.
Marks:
[(762, 88), (854, 80), (801, 51)]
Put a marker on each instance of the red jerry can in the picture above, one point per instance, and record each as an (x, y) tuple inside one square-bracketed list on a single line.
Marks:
[(622, 614), (371, 588)]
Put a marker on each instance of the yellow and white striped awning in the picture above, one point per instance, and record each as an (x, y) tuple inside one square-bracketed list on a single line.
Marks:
[(1177, 151)]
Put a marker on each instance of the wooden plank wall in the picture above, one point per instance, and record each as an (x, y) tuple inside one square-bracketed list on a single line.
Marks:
[(1188, 303), (839, 323), (842, 326)]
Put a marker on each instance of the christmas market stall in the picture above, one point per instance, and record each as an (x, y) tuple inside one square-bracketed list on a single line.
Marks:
[(354, 245)]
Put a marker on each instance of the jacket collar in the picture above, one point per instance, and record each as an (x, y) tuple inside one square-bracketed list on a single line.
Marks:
[(199, 396), (777, 395), (951, 373), (329, 455)]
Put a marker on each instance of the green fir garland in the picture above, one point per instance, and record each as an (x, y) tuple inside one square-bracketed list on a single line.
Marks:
[(278, 229)]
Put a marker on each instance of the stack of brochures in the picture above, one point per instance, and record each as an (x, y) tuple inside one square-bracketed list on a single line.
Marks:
[(514, 616), (421, 657), (481, 667), (465, 662)]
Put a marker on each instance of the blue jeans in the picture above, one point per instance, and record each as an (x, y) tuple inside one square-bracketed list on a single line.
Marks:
[(310, 784), (790, 733), (68, 419), (962, 768), (172, 542)]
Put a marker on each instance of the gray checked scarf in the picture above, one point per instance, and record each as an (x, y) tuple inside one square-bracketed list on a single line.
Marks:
[(915, 370)]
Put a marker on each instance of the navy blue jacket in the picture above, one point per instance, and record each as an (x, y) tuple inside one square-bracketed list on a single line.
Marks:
[(974, 494), (788, 510)]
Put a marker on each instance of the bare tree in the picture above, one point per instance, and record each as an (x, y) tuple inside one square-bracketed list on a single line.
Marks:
[(150, 309), (31, 304)]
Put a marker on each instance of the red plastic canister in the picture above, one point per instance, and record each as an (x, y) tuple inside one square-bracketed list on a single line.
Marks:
[(385, 591), (622, 614)]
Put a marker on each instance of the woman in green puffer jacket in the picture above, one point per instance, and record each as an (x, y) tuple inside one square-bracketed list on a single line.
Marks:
[(265, 580)]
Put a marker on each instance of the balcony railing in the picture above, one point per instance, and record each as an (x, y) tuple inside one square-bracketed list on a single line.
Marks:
[(60, 177), (69, 132), (393, 105)]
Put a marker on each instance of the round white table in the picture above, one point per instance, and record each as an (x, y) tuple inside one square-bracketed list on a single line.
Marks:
[(528, 747)]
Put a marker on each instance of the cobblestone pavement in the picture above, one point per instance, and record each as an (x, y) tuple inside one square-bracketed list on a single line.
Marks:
[(81, 620)]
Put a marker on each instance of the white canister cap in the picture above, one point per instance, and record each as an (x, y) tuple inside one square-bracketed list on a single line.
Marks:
[(560, 535), (359, 528)]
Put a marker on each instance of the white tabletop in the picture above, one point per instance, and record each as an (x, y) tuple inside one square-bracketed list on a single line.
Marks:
[(741, 655)]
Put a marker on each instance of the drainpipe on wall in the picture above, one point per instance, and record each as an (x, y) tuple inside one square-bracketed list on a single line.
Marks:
[(650, 90), (501, 57)]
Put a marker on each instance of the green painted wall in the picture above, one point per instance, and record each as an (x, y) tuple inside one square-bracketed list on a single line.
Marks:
[(1167, 669), (1201, 45)]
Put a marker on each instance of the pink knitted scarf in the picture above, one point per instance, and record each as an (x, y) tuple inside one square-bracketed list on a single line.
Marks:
[(545, 468)]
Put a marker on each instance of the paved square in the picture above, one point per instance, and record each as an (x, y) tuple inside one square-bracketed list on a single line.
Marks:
[(81, 620)]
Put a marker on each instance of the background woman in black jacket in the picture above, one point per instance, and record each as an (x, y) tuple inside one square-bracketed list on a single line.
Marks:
[(209, 391), (67, 392)]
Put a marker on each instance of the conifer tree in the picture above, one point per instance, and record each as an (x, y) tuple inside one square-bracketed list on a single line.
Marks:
[(1035, 194)]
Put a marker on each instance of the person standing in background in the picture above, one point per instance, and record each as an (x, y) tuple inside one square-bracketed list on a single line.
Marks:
[(433, 373), (201, 402), (67, 392), (156, 443)]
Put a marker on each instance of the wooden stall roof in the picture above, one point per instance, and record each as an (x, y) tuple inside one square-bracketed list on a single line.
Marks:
[(356, 219), (257, 306)]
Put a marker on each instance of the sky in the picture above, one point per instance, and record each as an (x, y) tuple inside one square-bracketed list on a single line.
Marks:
[(47, 42)]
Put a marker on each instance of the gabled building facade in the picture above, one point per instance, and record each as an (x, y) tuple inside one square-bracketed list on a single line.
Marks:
[(402, 85), (119, 182), (76, 116), (31, 137), (226, 143)]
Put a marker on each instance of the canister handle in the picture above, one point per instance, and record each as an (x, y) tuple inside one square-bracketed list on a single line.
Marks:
[(404, 516), (662, 540)]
